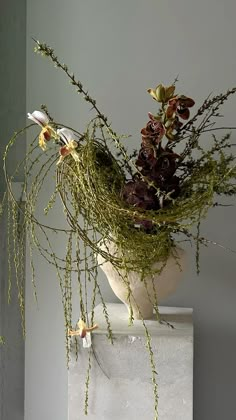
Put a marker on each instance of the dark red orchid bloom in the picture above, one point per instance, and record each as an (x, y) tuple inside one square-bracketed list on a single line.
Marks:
[(179, 106), (146, 158), (157, 165), (138, 194), (154, 130)]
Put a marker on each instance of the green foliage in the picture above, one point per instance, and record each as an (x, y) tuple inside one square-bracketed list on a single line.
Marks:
[(90, 191)]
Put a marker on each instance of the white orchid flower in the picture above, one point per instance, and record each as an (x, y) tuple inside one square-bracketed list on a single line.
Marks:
[(39, 118), (68, 137), (47, 131)]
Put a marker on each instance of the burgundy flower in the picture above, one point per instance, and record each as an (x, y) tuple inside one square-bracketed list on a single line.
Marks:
[(166, 164), (154, 130), (158, 167), (179, 106), (146, 158), (138, 194)]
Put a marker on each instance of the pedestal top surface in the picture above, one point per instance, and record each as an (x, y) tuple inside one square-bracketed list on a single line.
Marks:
[(179, 318)]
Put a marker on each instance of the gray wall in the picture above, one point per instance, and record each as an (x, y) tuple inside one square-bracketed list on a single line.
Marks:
[(12, 117), (119, 49), (12, 78)]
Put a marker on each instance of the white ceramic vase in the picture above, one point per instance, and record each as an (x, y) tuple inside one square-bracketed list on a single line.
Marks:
[(143, 296)]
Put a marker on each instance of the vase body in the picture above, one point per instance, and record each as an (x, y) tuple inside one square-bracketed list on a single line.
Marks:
[(143, 294)]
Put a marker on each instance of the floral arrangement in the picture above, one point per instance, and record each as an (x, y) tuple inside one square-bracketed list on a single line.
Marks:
[(145, 202)]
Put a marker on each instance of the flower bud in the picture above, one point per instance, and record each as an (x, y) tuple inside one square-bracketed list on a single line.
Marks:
[(169, 92), (160, 93)]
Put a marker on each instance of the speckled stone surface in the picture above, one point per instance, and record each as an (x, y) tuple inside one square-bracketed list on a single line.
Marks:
[(120, 385)]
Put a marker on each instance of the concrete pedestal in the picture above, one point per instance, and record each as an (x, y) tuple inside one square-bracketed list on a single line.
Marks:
[(120, 384)]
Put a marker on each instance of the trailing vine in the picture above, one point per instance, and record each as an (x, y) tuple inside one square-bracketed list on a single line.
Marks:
[(141, 202)]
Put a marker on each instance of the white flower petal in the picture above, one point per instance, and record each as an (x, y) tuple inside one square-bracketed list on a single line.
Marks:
[(39, 118), (67, 135)]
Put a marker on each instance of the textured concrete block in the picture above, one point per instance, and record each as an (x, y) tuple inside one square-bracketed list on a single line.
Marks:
[(120, 385)]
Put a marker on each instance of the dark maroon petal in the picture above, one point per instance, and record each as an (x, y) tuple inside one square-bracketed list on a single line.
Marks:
[(189, 102), (183, 113), (185, 101), (139, 194)]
